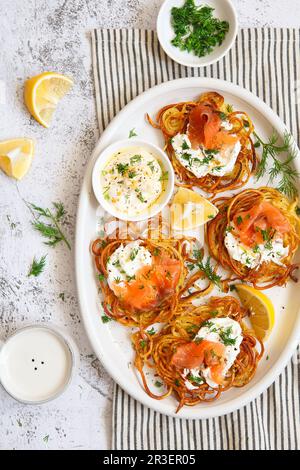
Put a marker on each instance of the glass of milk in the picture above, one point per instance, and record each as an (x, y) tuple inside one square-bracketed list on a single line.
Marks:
[(37, 363)]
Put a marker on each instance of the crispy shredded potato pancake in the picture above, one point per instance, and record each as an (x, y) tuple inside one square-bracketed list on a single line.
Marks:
[(157, 350), (175, 119)]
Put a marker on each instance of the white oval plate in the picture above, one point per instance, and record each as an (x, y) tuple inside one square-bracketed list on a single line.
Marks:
[(111, 341)]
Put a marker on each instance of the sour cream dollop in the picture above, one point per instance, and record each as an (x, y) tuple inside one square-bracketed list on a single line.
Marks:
[(218, 330), (126, 261), (253, 257), (133, 180), (202, 162)]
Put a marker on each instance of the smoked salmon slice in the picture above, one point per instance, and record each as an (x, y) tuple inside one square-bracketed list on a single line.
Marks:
[(205, 129), (166, 274), (192, 355), (151, 284), (260, 223)]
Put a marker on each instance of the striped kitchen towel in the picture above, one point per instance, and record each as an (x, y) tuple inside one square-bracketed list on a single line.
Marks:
[(267, 62)]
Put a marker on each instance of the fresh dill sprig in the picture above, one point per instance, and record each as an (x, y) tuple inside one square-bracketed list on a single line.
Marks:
[(207, 268), (37, 266), (281, 169), (60, 210), (52, 230)]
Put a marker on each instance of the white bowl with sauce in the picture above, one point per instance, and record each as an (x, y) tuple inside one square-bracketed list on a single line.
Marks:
[(133, 179)]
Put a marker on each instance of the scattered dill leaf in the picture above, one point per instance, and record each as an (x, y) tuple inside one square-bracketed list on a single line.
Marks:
[(225, 336), (62, 296), (158, 384), (52, 230), (214, 313), (191, 328), (105, 319), (122, 168), (37, 266), (132, 133), (46, 438), (131, 174), (133, 254), (140, 195), (135, 159), (193, 378), (207, 268), (279, 169), (151, 331)]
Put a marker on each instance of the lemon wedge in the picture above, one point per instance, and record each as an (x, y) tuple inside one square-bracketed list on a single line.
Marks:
[(190, 210), (42, 94), (262, 313), (16, 157)]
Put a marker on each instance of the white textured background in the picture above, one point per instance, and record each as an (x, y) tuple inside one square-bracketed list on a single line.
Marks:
[(39, 35)]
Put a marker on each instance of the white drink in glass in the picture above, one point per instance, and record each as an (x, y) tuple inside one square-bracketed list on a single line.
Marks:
[(36, 364)]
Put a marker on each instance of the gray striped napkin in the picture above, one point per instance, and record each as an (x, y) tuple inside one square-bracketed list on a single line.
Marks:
[(267, 62)]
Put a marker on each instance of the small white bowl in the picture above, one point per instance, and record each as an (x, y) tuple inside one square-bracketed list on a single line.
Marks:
[(105, 157), (224, 10)]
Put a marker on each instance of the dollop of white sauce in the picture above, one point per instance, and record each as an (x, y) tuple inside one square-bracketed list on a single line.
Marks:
[(211, 332), (226, 125), (202, 162), (126, 261), (132, 180), (273, 250)]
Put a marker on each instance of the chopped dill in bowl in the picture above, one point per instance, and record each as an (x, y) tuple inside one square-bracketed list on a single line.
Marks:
[(196, 29)]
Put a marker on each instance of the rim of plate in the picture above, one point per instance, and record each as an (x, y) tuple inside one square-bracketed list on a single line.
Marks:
[(110, 151), (177, 55), (135, 389)]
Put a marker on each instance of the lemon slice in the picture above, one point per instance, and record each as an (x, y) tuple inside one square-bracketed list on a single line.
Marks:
[(16, 157), (190, 210), (262, 313), (42, 94)]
